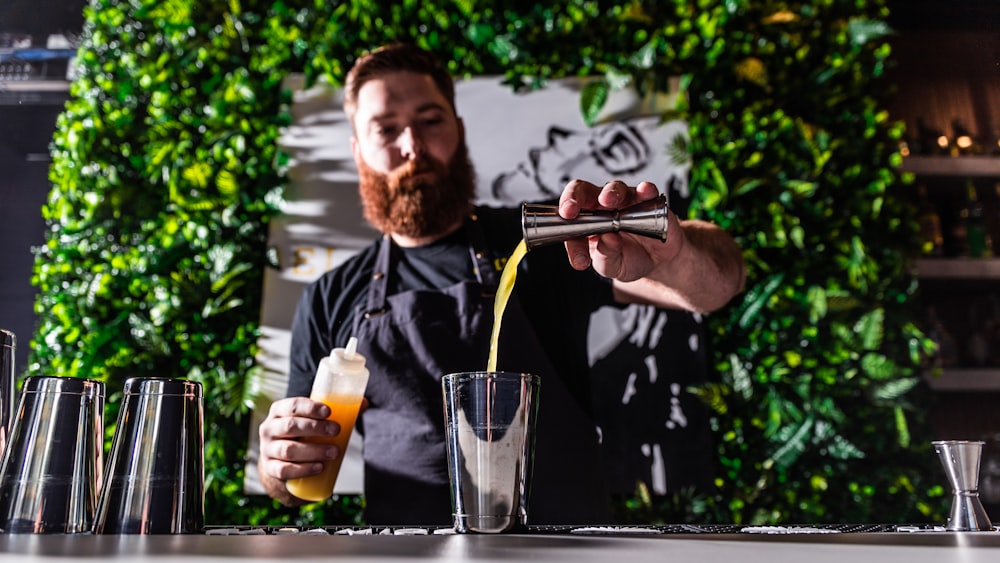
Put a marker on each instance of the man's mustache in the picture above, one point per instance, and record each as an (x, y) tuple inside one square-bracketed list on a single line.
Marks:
[(407, 179), (414, 167)]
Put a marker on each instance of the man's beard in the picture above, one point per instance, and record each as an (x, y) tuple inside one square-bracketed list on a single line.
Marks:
[(399, 203)]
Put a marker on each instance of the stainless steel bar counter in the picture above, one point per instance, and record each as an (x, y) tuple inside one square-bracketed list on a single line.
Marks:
[(604, 545)]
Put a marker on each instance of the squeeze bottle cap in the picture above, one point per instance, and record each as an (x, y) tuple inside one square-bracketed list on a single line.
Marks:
[(346, 359), (343, 371)]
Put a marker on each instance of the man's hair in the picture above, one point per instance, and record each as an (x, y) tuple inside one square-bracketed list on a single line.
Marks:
[(395, 57)]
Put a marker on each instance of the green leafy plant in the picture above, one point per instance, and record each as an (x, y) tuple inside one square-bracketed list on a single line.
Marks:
[(821, 361), (166, 173)]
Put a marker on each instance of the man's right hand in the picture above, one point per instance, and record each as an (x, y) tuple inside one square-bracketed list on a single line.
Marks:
[(287, 448)]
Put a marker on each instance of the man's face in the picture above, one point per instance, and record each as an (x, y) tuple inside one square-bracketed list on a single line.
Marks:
[(408, 144)]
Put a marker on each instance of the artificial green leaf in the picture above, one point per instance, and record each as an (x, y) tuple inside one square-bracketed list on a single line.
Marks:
[(592, 99)]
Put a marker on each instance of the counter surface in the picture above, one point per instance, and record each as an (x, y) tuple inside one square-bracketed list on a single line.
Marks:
[(766, 545)]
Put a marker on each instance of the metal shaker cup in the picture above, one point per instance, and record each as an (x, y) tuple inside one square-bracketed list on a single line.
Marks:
[(541, 224), (51, 470), (8, 346), (490, 420), (154, 482)]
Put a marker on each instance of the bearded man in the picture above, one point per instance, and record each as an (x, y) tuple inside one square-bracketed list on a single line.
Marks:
[(420, 302)]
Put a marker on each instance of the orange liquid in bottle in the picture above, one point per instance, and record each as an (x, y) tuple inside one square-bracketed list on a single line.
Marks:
[(344, 411)]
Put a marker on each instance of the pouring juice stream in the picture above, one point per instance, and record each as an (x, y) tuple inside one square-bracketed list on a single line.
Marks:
[(506, 284)]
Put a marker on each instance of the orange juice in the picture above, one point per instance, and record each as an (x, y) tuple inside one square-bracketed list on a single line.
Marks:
[(343, 411), (506, 284), (341, 379)]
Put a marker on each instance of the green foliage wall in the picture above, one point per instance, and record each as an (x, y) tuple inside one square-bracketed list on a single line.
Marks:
[(821, 403), (165, 175)]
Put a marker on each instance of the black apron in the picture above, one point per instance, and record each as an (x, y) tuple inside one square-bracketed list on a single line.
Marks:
[(412, 339)]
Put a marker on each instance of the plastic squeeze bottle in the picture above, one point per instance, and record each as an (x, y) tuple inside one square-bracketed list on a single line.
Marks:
[(340, 384)]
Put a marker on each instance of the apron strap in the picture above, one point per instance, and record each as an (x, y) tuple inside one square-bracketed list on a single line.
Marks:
[(486, 274), (379, 284)]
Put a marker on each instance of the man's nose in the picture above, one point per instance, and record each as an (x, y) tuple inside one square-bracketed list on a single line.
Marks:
[(410, 144)]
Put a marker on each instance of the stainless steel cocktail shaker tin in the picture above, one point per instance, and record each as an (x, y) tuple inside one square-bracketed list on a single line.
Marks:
[(51, 469)]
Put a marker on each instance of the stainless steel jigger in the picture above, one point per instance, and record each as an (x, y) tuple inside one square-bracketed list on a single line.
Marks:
[(542, 224), (961, 464)]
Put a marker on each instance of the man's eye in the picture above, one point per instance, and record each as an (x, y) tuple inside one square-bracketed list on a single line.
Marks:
[(386, 131)]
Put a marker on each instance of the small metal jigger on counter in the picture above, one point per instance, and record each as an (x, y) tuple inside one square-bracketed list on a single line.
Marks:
[(961, 464), (542, 224)]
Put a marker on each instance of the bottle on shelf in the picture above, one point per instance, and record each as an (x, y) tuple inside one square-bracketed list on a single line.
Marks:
[(963, 141), (906, 145), (947, 350), (929, 221), (977, 345), (995, 232), (978, 240), (930, 140), (956, 240), (994, 329)]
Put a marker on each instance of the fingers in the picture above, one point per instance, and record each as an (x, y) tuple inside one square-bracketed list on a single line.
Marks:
[(298, 406), (645, 191), (296, 418), (283, 470), (578, 253), (577, 195), (284, 459), (294, 439), (287, 459), (296, 428), (581, 194), (606, 255)]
